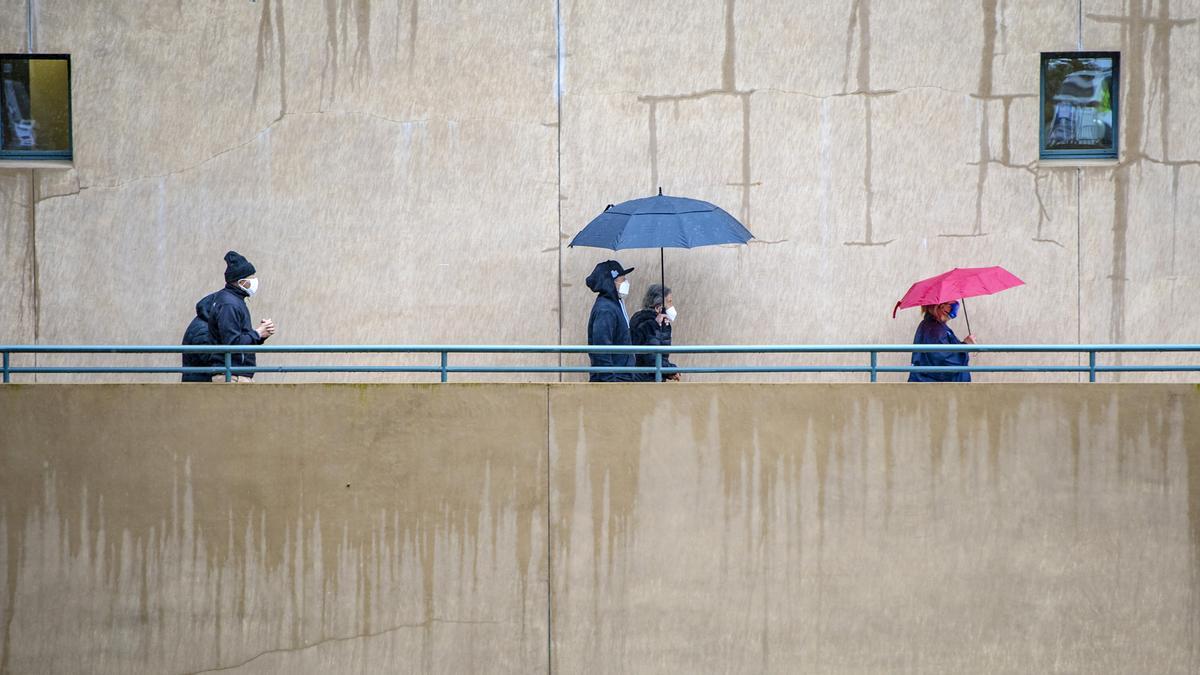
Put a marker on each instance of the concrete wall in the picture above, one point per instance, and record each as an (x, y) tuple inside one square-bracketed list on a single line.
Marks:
[(521, 528), (404, 171)]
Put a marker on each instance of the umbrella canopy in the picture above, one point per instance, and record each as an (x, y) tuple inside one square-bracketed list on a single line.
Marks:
[(958, 283), (662, 221)]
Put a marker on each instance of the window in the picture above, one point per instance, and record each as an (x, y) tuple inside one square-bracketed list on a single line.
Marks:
[(35, 107), (1080, 105)]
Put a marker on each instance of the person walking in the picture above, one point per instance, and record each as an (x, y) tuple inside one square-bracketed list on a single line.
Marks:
[(652, 326), (229, 318), (608, 323), (933, 331), (197, 333)]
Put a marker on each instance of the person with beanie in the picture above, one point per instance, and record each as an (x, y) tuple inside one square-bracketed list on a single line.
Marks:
[(609, 321), (229, 317)]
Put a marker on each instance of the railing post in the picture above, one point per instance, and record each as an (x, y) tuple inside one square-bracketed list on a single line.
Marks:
[(445, 358), (658, 367), (228, 366), (1091, 366), (5, 367), (874, 365)]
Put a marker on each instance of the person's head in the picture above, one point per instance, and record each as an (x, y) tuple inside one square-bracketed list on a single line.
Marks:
[(658, 298), (941, 312), (239, 272), (609, 279)]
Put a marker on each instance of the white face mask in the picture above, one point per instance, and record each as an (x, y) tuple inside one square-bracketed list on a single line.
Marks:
[(671, 314), (253, 287), (623, 289)]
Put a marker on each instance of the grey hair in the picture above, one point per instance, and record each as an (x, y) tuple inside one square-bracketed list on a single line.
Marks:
[(655, 295)]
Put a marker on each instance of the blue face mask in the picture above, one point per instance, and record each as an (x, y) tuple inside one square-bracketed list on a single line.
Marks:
[(953, 310)]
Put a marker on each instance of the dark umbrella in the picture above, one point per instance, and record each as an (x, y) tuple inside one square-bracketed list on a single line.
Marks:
[(662, 222)]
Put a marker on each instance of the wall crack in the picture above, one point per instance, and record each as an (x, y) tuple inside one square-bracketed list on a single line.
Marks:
[(346, 638)]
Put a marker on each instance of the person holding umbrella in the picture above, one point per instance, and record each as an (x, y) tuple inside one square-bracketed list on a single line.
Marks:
[(659, 221), (652, 326), (939, 298), (933, 331), (609, 321)]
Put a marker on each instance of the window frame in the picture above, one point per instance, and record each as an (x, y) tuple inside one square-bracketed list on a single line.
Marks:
[(9, 156), (1115, 94)]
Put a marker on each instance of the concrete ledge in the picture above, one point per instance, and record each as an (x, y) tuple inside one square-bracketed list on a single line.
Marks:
[(58, 164), (1069, 163), (515, 527)]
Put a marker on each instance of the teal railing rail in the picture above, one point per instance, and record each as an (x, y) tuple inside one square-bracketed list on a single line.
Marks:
[(444, 368)]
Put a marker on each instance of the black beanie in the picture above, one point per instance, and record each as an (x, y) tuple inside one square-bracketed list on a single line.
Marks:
[(237, 267)]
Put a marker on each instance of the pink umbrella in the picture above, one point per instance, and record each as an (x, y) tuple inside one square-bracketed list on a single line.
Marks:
[(958, 284)]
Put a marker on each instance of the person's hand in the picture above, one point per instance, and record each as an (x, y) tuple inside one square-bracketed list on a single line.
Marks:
[(674, 377), (661, 319), (266, 328), (970, 340)]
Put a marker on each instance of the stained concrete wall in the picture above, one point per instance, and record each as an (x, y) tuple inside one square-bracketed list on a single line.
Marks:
[(526, 528), (297, 529), (405, 171)]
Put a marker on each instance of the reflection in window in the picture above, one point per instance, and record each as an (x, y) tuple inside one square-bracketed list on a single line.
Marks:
[(1079, 104), (35, 106)]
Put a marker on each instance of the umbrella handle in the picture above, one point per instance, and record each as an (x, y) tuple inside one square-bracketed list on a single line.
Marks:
[(963, 302), (897, 307)]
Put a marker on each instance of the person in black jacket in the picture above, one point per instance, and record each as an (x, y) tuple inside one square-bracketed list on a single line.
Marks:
[(229, 318), (609, 322), (652, 326), (197, 333)]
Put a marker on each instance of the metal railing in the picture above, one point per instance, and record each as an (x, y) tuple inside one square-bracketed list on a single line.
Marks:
[(444, 369)]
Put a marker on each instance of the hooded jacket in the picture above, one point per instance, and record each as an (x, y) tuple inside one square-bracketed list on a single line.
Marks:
[(608, 324), (645, 330), (934, 332), (229, 324), (197, 333)]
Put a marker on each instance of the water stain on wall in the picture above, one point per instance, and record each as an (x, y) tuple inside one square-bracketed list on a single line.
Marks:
[(290, 519), (272, 44), (993, 24), (371, 522), (770, 497), (1145, 54), (728, 88), (858, 32), (340, 16)]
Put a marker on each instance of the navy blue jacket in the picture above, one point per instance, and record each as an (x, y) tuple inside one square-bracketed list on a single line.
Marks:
[(608, 325), (645, 330), (229, 324), (934, 332), (197, 333)]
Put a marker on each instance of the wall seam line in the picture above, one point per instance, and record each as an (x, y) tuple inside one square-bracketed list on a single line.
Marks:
[(1079, 27), (558, 91), (1079, 227), (549, 550), (1078, 269), (34, 272), (35, 291), (29, 26)]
